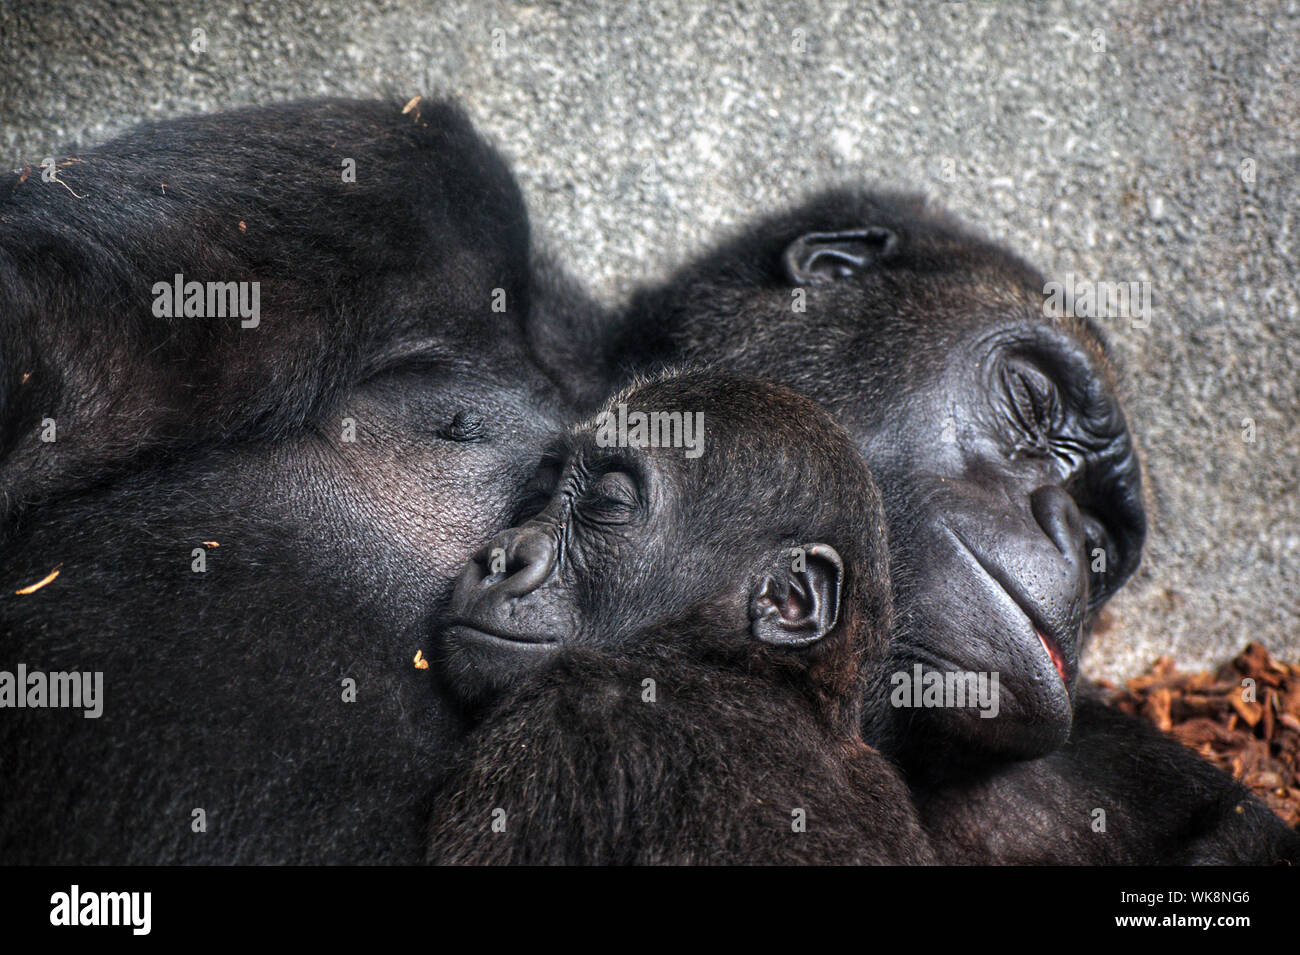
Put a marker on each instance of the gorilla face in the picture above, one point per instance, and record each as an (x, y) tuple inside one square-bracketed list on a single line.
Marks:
[(604, 559), (1012, 491), (436, 463), (637, 540), (1011, 486), (1010, 481), (385, 394)]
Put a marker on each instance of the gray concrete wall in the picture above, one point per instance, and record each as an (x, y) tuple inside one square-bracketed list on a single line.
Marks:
[(1121, 141)]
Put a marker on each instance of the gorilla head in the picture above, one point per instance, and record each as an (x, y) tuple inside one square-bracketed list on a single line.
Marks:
[(1010, 481), (250, 521), (766, 524), (744, 579)]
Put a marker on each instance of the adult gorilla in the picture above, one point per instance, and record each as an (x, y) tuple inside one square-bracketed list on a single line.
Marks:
[(1013, 497), (251, 519), (994, 433)]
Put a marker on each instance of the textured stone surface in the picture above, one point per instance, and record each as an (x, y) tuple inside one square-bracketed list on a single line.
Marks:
[(641, 131)]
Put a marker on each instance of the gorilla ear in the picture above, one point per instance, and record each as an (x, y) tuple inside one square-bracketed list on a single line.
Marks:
[(819, 257), (800, 603)]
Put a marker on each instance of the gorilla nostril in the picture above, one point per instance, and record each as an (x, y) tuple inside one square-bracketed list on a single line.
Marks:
[(1057, 514)]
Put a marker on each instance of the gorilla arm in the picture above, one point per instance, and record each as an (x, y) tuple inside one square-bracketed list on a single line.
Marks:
[(1119, 793)]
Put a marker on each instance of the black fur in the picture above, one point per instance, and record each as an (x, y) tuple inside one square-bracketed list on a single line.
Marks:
[(576, 764), (590, 774), (224, 688), (350, 272), (1162, 805), (911, 320)]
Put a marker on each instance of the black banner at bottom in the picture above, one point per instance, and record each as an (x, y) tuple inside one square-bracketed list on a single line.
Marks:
[(336, 905)]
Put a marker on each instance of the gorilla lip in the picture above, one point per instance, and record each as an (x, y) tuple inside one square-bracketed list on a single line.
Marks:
[(1050, 646), (477, 631), (1057, 660)]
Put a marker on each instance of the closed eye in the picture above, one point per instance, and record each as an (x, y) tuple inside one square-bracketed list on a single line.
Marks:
[(466, 426), (612, 499), (426, 356), (1033, 399)]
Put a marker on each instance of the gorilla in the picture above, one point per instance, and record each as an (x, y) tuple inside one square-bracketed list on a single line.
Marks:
[(270, 377), (243, 520), (1013, 495), (1001, 452), (665, 682), (1120, 792)]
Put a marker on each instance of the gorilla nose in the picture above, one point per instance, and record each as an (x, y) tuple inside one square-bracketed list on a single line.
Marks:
[(506, 594), (517, 561), (1057, 514)]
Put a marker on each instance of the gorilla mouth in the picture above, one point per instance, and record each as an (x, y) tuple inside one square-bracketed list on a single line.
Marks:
[(1058, 661), (481, 634), (1051, 646)]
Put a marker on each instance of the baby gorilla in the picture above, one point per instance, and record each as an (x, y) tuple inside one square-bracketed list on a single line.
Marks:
[(669, 656)]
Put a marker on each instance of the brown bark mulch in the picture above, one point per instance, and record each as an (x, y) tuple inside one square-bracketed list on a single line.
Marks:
[(1252, 731)]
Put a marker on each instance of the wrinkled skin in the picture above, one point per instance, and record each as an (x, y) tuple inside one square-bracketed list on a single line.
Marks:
[(997, 530)]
